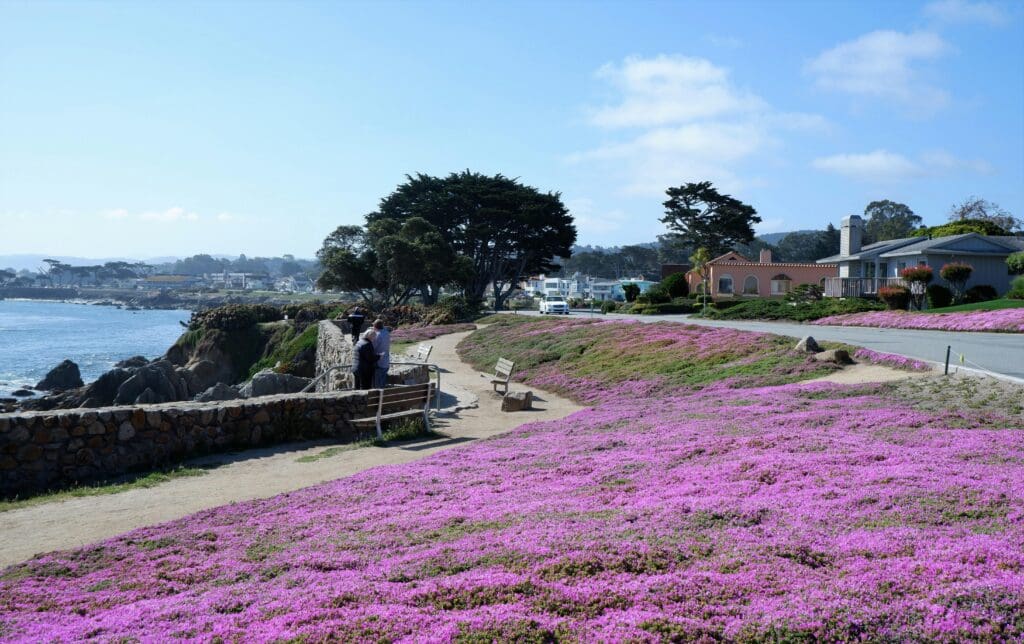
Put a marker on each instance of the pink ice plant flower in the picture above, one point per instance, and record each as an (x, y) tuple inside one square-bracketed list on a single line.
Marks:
[(798, 512), (893, 360), (999, 320)]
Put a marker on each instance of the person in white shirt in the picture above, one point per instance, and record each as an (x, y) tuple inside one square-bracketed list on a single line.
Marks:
[(382, 347)]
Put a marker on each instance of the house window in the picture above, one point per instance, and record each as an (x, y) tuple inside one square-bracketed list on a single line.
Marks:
[(750, 285), (781, 284), (900, 266), (883, 269), (725, 285)]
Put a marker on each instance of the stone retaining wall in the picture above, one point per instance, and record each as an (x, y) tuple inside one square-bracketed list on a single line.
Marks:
[(43, 450)]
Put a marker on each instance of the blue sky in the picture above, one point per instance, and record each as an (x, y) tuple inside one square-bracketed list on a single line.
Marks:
[(150, 129)]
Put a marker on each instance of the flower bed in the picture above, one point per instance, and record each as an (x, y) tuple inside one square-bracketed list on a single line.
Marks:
[(421, 333), (891, 360), (1000, 320), (798, 512)]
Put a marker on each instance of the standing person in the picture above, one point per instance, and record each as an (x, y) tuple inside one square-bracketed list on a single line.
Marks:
[(355, 320), (382, 346), (364, 360)]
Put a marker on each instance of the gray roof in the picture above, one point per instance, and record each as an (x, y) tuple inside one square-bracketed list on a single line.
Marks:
[(871, 250), (919, 245)]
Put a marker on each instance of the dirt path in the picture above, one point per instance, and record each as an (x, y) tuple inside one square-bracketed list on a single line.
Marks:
[(857, 373), (266, 472)]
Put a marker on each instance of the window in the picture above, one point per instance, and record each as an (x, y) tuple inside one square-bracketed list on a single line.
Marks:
[(725, 285), (750, 285), (781, 284)]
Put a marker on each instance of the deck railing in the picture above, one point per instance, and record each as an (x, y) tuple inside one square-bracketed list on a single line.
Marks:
[(858, 286)]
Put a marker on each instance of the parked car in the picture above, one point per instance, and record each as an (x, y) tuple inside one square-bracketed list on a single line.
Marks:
[(554, 304)]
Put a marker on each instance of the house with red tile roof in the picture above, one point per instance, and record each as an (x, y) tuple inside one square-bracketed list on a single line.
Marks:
[(732, 274)]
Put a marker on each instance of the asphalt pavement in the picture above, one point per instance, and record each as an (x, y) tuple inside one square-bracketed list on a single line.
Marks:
[(1001, 354)]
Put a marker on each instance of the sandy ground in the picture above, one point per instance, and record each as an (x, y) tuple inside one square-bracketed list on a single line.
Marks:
[(266, 472), (862, 372)]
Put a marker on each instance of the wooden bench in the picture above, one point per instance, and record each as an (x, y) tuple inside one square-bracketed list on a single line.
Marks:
[(502, 374), (405, 401), (423, 352)]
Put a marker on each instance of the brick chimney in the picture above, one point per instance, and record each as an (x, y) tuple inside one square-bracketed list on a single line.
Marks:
[(766, 256), (850, 235)]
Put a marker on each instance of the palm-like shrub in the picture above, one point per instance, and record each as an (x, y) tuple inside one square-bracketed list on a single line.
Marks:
[(956, 275), (917, 279), (895, 297)]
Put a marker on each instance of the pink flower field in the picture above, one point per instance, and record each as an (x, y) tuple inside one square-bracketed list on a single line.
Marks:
[(893, 360), (1000, 320), (796, 512)]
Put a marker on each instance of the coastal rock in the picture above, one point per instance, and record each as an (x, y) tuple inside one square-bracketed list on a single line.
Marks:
[(64, 376), (808, 345), (205, 374), (132, 363), (838, 356), (270, 383), (219, 391), (102, 392), (159, 376), (21, 393), (147, 397)]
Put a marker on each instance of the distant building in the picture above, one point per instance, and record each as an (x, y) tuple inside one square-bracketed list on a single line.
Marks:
[(733, 275)]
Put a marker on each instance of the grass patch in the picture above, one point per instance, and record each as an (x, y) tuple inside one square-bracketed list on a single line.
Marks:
[(761, 309), (135, 482), (991, 305), (284, 345)]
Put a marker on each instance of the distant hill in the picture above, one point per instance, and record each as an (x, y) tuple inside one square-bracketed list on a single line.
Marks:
[(775, 238)]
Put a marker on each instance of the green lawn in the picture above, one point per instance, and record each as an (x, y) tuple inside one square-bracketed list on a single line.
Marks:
[(991, 305)]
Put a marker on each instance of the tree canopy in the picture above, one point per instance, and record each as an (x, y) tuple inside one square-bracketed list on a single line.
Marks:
[(809, 246), (960, 227), (888, 220), (700, 217), (977, 209), (502, 228), (386, 262)]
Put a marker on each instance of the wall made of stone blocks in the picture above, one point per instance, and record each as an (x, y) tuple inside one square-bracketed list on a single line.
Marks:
[(44, 450)]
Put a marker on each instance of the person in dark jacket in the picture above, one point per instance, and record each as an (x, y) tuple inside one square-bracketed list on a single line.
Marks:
[(356, 319), (364, 360)]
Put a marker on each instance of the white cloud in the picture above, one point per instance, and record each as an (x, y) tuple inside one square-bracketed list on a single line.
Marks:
[(883, 64), (169, 215), (879, 165), (668, 90), (959, 11), (888, 167), (685, 121), (227, 216)]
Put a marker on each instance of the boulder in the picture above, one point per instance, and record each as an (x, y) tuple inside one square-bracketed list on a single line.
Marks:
[(219, 391), (147, 397), (103, 391), (270, 383), (132, 363), (64, 376), (22, 393), (517, 401), (160, 377), (808, 345), (838, 356), (205, 374)]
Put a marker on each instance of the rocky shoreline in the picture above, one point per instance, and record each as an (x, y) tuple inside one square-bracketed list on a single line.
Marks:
[(151, 299)]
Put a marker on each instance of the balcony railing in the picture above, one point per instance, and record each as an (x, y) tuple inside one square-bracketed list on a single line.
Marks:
[(858, 286)]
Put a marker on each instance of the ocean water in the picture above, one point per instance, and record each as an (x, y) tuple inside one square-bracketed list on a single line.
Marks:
[(36, 335)]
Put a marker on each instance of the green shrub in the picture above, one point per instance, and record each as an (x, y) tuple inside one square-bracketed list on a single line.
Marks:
[(665, 308), (451, 309), (762, 309), (956, 274), (939, 296), (234, 316), (609, 306), (805, 293), (895, 297), (676, 285), (1015, 263), (631, 292), (1016, 291), (721, 305), (654, 295), (980, 293)]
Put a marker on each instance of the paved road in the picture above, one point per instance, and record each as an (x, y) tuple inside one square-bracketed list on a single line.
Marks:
[(999, 353)]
